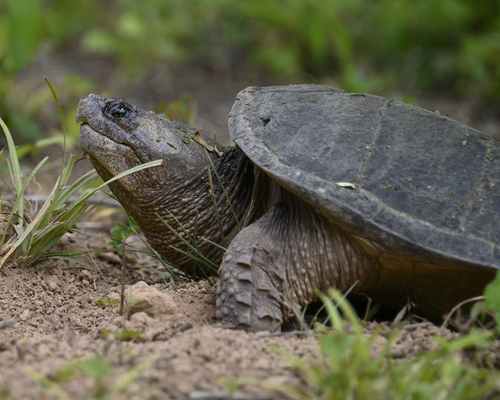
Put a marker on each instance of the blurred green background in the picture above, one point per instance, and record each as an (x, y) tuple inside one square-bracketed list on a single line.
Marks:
[(177, 55)]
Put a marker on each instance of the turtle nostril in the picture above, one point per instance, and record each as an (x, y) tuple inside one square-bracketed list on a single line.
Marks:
[(265, 121)]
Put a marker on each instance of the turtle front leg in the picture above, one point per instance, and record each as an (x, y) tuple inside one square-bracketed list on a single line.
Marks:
[(278, 262), (251, 288)]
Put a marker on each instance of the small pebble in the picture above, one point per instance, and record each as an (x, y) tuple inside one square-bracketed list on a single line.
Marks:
[(207, 299), (85, 275), (24, 315)]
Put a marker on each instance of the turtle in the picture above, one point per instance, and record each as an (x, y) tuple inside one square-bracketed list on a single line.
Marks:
[(322, 189)]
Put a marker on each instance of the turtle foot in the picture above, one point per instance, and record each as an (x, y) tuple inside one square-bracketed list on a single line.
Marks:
[(250, 291)]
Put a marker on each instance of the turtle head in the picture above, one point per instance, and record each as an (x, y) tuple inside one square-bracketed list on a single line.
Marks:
[(117, 136)]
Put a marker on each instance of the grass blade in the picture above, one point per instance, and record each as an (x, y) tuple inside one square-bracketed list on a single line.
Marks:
[(26, 232), (61, 117), (214, 244), (224, 190), (88, 193), (199, 256), (16, 169), (217, 216)]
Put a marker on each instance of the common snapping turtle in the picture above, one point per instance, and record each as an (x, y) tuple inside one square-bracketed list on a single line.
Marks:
[(335, 188)]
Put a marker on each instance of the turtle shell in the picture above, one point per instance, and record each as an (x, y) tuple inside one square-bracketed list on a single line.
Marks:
[(418, 184)]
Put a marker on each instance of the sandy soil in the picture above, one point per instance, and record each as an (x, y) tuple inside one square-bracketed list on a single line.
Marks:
[(52, 334)]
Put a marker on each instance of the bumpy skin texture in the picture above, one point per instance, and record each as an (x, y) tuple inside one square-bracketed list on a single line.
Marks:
[(117, 136), (278, 262), (398, 227)]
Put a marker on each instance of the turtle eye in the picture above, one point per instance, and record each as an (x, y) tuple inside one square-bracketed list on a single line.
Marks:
[(117, 110)]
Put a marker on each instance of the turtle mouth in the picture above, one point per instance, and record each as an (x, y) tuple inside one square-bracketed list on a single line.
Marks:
[(92, 142), (108, 157)]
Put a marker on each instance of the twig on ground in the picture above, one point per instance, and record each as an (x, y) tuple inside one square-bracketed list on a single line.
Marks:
[(471, 300), (97, 267), (122, 294)]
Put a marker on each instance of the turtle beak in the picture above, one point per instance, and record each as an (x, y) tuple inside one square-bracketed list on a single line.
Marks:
[(89, 106)]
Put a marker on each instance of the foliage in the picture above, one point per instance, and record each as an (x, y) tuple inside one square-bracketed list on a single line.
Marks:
[(125, 335), (492, 298), (363, 45), (103, 303), (30, 237), (25, 26), (120, 233), (22, 23), (100, 370)]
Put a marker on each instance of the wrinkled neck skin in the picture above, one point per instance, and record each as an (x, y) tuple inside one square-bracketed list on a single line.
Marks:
[(177, 199)]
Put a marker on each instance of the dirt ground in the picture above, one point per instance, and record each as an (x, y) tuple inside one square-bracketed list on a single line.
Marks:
[(54, 336)]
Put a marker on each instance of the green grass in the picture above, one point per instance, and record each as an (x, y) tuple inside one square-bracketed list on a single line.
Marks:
[(125, 335), (26, 239), (348, 368), (103, 303), (99, 369)]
